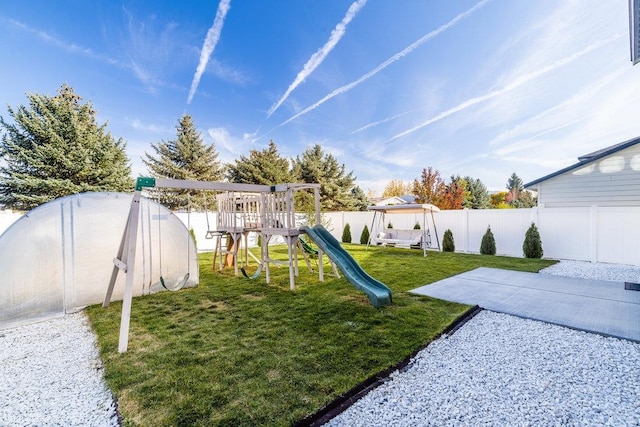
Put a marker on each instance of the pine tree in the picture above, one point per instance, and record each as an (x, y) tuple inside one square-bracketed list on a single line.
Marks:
[(186, 157), (488, 244), (56, 148), (448, 244), (364, 237), (360, 201), (316, 166), (346, 234), (532, 246), (264, 167), (477, 194)]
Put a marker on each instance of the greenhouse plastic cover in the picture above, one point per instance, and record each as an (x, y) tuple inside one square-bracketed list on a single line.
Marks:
[(59, 257)]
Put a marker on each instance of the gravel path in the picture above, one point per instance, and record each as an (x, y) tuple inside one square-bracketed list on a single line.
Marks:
[(503, 370), (51, 374), (495, 370)]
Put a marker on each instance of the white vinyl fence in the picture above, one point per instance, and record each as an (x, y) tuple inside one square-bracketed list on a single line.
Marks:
[(596, 234)]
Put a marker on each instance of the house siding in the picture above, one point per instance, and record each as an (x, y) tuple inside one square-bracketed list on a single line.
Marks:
[(613, 180)]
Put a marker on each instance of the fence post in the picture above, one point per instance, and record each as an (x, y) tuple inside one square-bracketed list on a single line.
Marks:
[(465, 233), (593, 233)]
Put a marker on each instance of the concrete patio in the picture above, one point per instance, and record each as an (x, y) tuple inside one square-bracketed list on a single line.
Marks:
[(591, 305)]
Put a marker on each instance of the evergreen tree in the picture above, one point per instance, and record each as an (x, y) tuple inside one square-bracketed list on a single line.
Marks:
[(515, 187), (532, 246), (448, 244), (488, 244), (477, 195), (364, 237), (56, 148), (316, 166), (360, 201), (525, 200), (515, 183), (186, 157), (346, 233), (264, 167)]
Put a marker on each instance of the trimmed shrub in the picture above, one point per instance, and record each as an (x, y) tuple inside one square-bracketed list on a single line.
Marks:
[(417, 226), (447, 242), (488, 244), (364, 237), (346, 234), (532, 246)]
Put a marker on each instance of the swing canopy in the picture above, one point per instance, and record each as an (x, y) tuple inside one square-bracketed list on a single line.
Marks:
[(408, 238)]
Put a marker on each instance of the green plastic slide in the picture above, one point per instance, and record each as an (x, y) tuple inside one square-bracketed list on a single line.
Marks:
[(378, 293)]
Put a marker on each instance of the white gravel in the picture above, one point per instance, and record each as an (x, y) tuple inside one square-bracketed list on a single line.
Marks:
[(504, 370), (51, 375), (596, 271), (495, 370)]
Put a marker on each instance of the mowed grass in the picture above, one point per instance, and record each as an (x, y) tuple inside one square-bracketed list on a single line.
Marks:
[(234, 351)]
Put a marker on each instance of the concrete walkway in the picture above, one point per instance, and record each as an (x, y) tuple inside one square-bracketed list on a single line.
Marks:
[(590, 305)]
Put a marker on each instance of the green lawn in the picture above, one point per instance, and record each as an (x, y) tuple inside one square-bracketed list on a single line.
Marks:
[(236, 352)]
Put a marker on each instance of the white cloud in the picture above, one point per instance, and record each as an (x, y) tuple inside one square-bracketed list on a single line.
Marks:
[(318, 57), (210, 42), (63, 44), (138, 124), (514, 84), (229, 146), (406, 51)]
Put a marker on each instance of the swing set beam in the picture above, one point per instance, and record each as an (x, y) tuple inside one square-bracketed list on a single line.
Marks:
[(126, 256)]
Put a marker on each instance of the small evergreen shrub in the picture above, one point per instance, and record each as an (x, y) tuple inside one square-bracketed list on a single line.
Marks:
[(346, 234), (532, 246), (488, 244), (447, 242), (364, 237), (417, 226), (390, 225)]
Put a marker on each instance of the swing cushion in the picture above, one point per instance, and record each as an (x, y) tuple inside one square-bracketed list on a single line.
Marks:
[(399, 237)]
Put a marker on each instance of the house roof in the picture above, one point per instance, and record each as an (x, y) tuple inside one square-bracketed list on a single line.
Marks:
[(588, 158)]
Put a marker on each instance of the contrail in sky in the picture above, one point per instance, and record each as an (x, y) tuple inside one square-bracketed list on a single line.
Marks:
[(513, 85), (386, 63), (388, 119), (210, 42), (319, 56)]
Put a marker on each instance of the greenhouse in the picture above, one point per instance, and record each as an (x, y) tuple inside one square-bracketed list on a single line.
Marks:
[(59, 257)]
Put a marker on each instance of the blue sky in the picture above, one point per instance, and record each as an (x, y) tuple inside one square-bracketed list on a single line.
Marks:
[(480, 88)]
